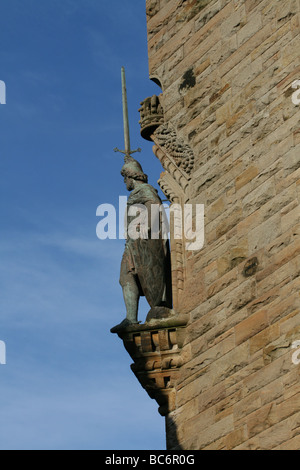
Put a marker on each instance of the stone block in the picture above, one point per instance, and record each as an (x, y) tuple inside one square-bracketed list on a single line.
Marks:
[(261, 419), (245, 177), (260, 340), (251, 27), (260, 236), (251, 326), (258, 197), (215, 431)]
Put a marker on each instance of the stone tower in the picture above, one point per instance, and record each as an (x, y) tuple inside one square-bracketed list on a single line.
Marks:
[(226, 128)]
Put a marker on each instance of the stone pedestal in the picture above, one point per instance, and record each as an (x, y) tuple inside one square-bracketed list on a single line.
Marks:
[(155, 348)]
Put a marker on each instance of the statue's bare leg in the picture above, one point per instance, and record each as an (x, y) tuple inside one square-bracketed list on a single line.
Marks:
[(131, 298)]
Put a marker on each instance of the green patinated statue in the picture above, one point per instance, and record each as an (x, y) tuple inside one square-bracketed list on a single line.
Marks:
[(145, 267)]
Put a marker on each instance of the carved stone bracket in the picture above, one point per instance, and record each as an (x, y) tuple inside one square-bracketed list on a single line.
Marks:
[(177, 175), (155, 348)]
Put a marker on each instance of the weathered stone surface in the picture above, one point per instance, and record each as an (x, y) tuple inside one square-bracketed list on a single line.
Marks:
[(227, 69)]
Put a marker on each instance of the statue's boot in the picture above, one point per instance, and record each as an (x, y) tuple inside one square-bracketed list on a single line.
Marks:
[(131, 297), (121, 326)]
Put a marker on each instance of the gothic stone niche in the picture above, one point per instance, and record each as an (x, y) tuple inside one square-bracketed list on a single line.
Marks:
[(177, 158), (155, 348)]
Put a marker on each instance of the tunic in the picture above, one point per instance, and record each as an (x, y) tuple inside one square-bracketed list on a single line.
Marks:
[(147, 259)]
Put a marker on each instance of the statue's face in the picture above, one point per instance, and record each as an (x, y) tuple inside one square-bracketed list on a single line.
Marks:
[(129, 183)]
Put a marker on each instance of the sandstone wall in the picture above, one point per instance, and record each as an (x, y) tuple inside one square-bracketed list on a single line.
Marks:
[(226, 68)]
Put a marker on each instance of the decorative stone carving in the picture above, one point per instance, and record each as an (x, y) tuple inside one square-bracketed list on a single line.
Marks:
[(155, 348), (183, 156), (175, 194), (177, 158), (152, 116), (169, 187)]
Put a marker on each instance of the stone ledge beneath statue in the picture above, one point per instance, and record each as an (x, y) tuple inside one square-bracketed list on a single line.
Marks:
[(157, 318), (155, 348)]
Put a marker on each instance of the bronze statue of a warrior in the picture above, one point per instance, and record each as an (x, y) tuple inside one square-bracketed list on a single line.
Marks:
[(145, 266)]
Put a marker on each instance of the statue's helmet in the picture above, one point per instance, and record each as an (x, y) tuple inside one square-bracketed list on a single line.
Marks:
[(133, 169)]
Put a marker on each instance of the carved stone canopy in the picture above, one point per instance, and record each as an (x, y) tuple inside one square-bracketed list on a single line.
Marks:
[(152, 116)]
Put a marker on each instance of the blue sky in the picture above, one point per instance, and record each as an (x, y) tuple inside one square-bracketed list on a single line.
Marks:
[(67, 383)]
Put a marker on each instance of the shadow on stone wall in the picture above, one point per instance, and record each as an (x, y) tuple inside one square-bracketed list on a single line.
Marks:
[(172, 441)]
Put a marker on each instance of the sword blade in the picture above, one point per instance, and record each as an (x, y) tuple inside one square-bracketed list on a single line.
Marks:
[(125, 114)]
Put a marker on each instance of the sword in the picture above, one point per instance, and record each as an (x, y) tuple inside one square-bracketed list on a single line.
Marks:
[(127, 151)]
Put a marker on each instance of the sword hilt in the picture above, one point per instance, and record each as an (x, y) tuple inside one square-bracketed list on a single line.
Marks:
[(130, 152)]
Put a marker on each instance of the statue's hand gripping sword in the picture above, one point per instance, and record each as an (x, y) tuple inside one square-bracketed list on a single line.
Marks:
[(127, 151)]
